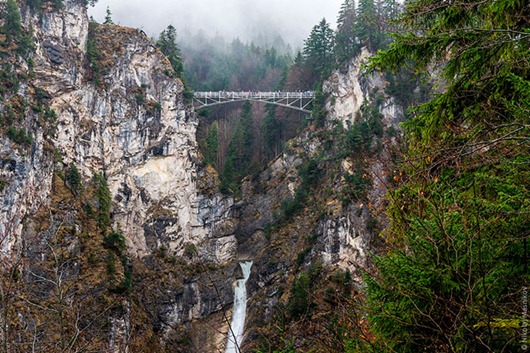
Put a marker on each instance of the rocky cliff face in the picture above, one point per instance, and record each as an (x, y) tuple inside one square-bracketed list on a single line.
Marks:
[(134, 126), (299, 241)]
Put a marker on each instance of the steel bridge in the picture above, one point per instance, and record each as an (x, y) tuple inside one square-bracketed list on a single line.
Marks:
[(300, 101)]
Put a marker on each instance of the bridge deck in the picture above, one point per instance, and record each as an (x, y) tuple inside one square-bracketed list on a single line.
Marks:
[(251, 94), (293, 100)]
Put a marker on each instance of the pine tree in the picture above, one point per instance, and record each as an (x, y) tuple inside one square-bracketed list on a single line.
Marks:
[(12, 26), (239, 153), (247, 132), (108, 17), (318, 51), (346, 45), (167, 43), (368, 25), (104, 201), (212, 145), (272, 132), (73, 178)]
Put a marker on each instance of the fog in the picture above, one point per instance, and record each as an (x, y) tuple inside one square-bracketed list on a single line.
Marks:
[(246, 19)]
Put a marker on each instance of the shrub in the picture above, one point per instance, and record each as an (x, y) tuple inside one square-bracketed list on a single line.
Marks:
[(140, 99), (115, 241), (19, 136), (299, 302)]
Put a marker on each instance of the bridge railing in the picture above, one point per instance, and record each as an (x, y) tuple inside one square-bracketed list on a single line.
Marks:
[(253, 95)]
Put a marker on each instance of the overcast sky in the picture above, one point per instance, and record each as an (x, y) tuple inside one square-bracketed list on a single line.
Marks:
[(229, 18)]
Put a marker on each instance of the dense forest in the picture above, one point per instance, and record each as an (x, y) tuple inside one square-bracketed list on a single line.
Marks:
[(212, 64)]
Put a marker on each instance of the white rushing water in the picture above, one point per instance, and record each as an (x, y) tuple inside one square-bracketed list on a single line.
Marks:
[(237, 327)]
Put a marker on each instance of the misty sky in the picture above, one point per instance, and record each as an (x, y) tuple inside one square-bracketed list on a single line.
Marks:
[(229, 18)]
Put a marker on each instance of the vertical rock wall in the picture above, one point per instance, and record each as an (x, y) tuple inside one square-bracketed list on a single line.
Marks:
[(134, 127)]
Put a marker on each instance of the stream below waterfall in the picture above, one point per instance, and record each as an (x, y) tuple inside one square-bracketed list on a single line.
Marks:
[(237, 326)]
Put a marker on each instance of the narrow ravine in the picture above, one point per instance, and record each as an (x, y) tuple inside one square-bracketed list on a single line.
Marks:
[(237, 326)]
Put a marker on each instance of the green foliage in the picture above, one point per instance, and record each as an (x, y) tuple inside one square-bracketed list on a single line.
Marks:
[(73, 178), (25, 46), (190, 250), (309, 173), (346, 42), (272, 132), (300, 258), (213, 65), (408, 88), (457, 267), (12, 27), (19, 136), (367, 26), (355, 185), (453, 278), (299, 300), (126, 283), (93, 54), (358, 137), (187, 94), (318, 110), (167, 43), (115, 241), (140, 98), (50, 115), (318, 51), (211, 145), (89, 2), (239, 154), (13, 30), (36, 5), (3, 184), (108, 17), (10, 81), (290, 206), (104, 201), (111, 264)]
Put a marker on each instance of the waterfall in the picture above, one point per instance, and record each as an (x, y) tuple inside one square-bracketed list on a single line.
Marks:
[(235, 333)]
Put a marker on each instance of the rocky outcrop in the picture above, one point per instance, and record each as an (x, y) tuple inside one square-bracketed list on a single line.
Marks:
[(134, 127)]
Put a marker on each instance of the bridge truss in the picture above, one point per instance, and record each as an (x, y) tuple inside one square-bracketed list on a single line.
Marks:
[(300, 101)]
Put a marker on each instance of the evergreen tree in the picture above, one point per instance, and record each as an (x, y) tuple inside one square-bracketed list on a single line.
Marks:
[(368, 25), (387, 14), (104, 201), (318, 51), (462, 217), (318, 111), (108, 17), (346, 45), (239, 154), (12, 26), (247, 130), (272, 132), (167, 43), (73, 178), (212, 145)]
